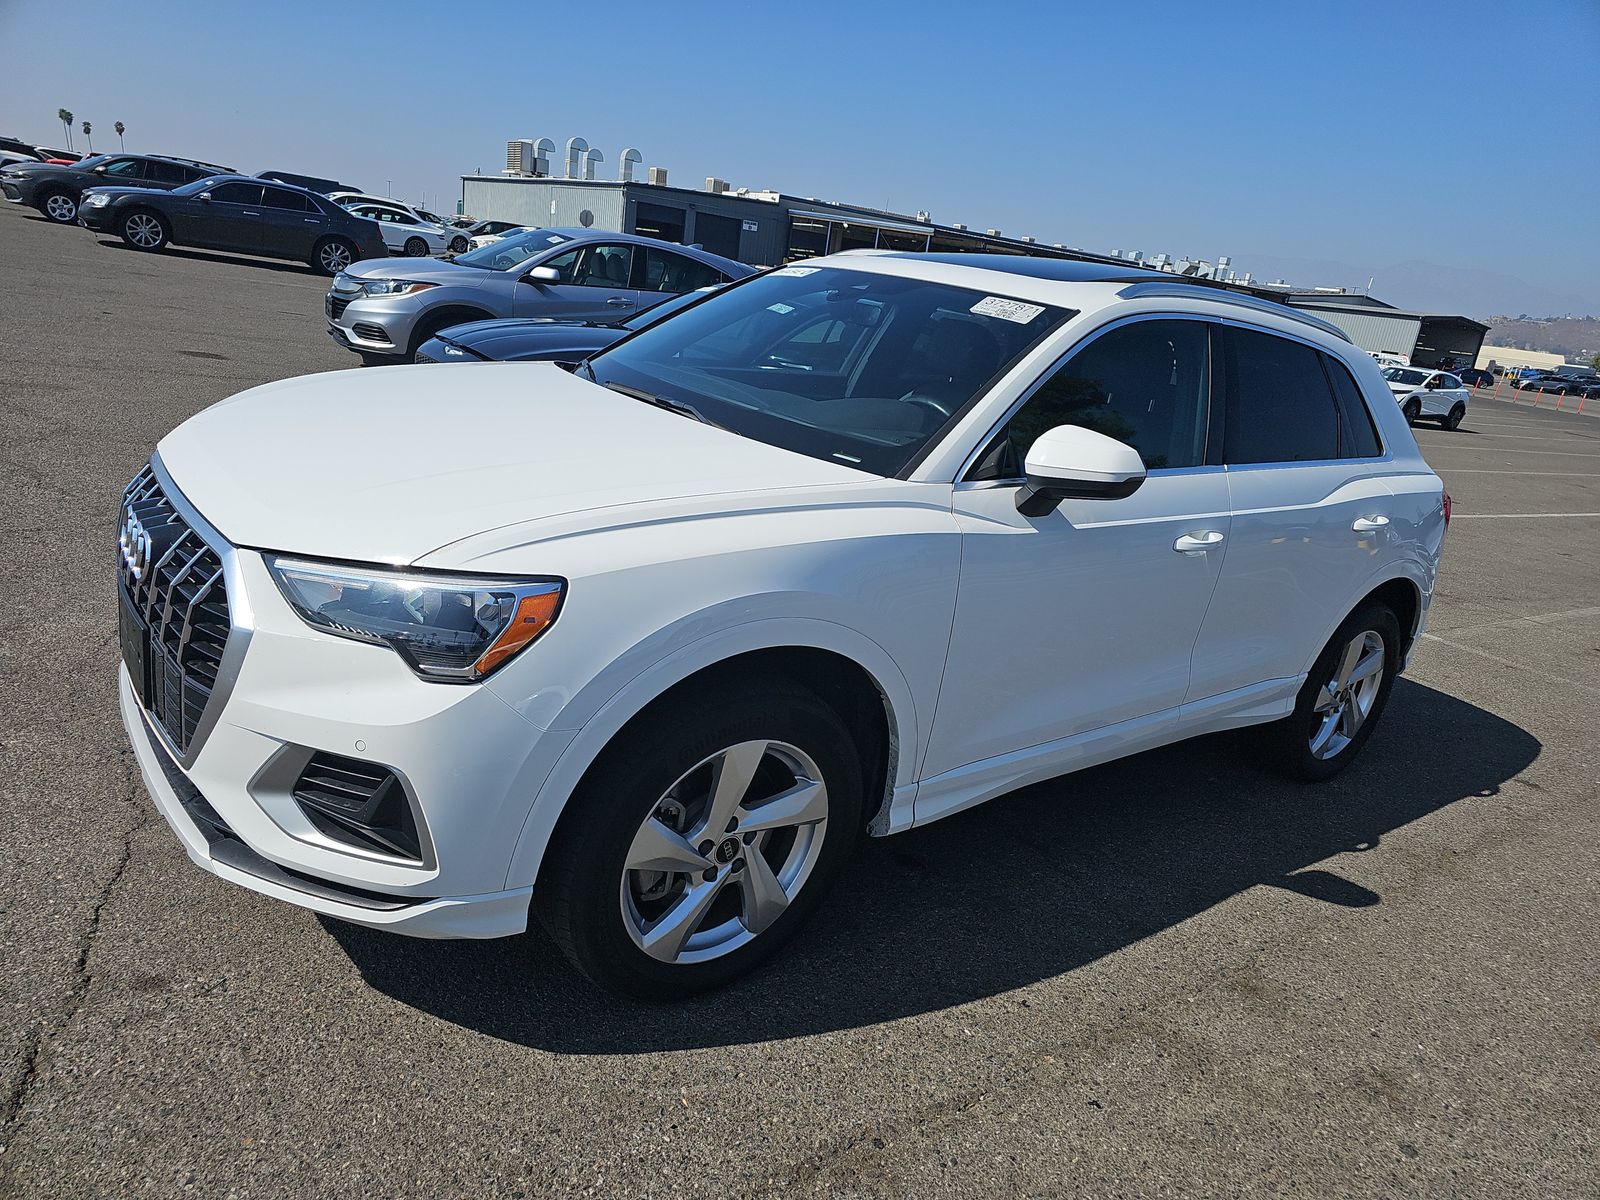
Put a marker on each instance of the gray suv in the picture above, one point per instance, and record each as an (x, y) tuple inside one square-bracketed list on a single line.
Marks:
[(56, 189), (385, 310)]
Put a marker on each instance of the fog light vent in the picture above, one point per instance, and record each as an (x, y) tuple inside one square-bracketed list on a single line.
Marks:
[(359, 803)]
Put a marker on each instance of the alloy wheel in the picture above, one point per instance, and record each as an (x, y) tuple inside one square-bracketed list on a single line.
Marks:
[(724, 852), (334, 257), (144, 231), (61, 207), (1345, 701)]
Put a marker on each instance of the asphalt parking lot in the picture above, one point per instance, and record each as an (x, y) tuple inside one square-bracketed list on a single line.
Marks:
[(1175, 975)]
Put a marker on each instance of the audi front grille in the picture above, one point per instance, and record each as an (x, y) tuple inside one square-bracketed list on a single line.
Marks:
[(174, 610)]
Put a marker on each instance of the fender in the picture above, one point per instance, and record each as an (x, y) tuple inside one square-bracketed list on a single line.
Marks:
[(1411, 569), (610, 714)]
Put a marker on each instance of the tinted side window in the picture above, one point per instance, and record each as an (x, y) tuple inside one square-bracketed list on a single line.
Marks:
[(1280, 408), (1358, 436), (285, 199), (665, 271), (1145, 384), (127, 168), (160, 172), (237, 193)]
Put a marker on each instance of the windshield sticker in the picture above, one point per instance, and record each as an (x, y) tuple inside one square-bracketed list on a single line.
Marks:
[(1007, 310), (780, 309), (797, 270)]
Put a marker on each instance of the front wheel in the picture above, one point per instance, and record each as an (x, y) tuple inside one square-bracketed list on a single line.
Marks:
[(1457, 413), (1342, 698), (1412, 411), (143, 231), (698, 843), (333, 255), (60, 207)]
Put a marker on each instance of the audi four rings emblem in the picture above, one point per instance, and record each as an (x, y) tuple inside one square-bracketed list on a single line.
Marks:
[(135, 545)]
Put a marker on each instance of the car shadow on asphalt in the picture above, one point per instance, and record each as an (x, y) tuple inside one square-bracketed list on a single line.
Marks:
[(239, 260), (1025, 888)]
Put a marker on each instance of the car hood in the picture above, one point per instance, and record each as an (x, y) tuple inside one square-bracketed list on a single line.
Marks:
[(514, 338), (433, 271), (386, 465), (122, 189)]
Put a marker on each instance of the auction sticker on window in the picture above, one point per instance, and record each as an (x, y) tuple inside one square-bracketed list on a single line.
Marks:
[(797, 270), (1007, 310)]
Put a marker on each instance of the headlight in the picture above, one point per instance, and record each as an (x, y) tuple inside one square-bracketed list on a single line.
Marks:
[(447, 628), (98, 201), (395, 287)]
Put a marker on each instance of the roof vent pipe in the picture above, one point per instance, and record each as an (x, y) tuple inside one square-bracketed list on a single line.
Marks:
[(576, 149), (590, 159), (626, 162)]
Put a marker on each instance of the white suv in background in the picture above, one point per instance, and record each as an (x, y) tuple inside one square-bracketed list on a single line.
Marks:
[(405, 234), (843, 548), (1423, 393)]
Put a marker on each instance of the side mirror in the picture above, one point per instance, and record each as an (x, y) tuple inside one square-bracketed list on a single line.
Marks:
[(542, 275), (100, 170), (1070, 462), (206, 196)]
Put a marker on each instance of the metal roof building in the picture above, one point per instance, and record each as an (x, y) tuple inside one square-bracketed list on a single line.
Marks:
[(1423, 339)]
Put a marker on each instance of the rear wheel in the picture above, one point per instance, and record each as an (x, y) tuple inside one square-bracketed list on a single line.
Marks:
[(143, 230), (1457, 413), (458, 245), (1412, 410), (416, 248), (333, 255), (61, 207), (697, 848), (1342, 698)]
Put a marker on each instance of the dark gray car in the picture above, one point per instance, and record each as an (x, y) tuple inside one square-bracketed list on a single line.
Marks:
[(55, 190), (384, 311)]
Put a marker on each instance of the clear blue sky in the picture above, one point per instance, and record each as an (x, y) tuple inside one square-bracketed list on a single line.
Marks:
[(1335, 138)]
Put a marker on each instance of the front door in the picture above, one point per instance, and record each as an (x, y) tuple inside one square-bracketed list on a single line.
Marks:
[(594, 286), (1086, 617), (231, 219)]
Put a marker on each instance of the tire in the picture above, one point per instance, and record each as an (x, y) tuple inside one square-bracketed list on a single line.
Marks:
[(60, 206), (652, 793), (416, 248), (143, 230), (332, 255), (459, 245), (1412, 411), (428, 326), (1316, 741), (1457, 413)]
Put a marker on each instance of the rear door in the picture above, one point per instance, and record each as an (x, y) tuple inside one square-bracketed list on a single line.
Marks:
[(594, 285), (290, 223), (1309, 511)]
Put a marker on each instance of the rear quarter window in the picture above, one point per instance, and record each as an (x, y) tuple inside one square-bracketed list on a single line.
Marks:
[(1358, 435)]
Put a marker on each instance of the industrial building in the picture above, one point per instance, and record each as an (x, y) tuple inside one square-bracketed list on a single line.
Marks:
[(767, 228)]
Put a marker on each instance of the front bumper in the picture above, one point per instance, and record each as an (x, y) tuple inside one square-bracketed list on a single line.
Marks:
[(469, 764), (370, 326), (97, 219), (15, 192), (214, 846)]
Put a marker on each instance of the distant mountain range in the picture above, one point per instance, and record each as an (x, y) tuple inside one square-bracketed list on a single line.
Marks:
[(1424, 286), (1577, 339)]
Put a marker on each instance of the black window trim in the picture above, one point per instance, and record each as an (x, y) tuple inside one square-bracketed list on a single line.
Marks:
[(1329, 363), (981, 450)]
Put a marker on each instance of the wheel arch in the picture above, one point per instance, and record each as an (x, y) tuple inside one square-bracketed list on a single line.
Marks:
[(434, 321), (1402, 591), (849, 671)]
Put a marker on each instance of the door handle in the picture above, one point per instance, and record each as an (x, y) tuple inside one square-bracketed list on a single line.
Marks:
[(1369, 524), (1198, 543), (251, 213), (618, 302)]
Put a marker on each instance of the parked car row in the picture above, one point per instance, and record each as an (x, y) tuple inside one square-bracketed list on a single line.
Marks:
[(1551, 384), (385, 311)]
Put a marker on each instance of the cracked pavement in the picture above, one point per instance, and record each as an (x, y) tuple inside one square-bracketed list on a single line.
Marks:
[(1171, 976)]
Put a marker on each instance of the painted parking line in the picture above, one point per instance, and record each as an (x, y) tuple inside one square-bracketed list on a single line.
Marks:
[(1507, 662), (1461, 516), (1525, 474), (1497, 450)]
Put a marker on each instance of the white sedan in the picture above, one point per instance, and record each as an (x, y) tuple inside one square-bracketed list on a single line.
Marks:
[(1423, 393), (404, 233)]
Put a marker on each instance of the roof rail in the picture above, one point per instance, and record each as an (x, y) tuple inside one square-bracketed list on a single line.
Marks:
[(1198, 291)]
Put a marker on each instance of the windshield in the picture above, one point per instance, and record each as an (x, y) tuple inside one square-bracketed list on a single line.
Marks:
[(1405, 375), (851, 367), (511, 251), (201, 185), (89, 164)]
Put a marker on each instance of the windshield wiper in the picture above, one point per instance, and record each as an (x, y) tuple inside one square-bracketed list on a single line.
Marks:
[(677, 406)]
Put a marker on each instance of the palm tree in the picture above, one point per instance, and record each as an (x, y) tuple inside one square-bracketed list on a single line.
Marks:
[(65, 118), (121, 129), (88, 132)]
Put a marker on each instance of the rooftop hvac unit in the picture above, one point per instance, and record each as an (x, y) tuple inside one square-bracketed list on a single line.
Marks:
[(1027, 237), (992, 232), (657, 177), (716, 186), (960, 227), (519, 156), (924, 216)]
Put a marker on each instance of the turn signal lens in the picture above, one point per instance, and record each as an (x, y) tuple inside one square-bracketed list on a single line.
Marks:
[(534, 615)]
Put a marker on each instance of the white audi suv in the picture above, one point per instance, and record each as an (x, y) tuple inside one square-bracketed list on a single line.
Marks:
[(841, 549)]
